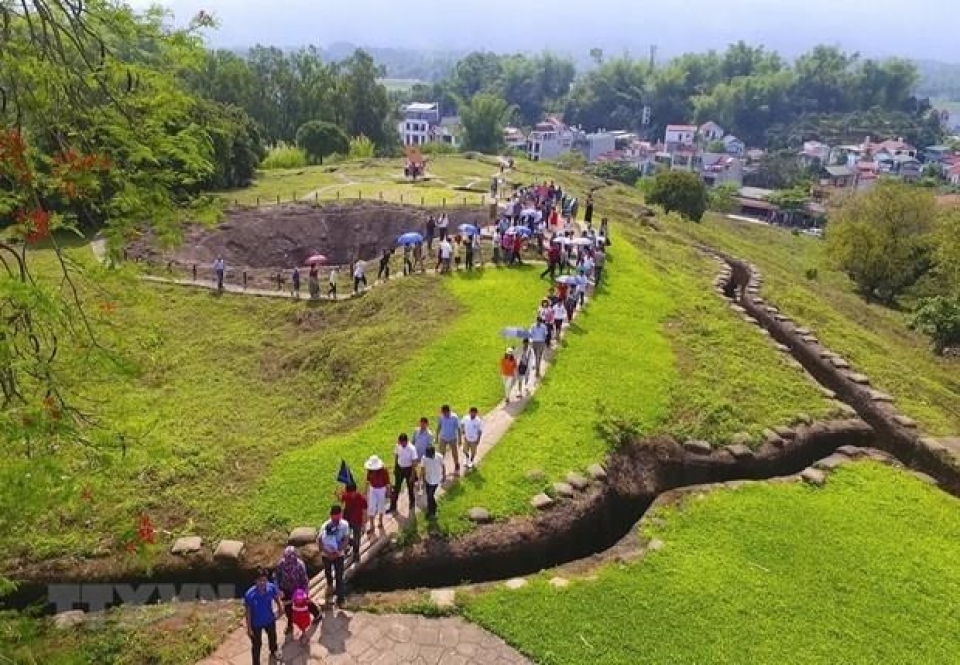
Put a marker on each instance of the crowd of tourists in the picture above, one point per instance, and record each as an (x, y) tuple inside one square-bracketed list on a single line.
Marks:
[(574, 265)]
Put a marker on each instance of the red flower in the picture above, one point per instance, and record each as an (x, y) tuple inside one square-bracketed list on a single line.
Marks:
[(36, 224), (145, 533)]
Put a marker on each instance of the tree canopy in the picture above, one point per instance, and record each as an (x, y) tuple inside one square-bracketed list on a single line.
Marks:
[(679, 191), (321, 139)]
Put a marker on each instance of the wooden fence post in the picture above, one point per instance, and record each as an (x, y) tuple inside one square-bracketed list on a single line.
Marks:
[(194, 272), (278, 199), (258, 201)]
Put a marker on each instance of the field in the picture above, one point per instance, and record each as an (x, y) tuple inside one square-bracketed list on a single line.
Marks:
[(875, 339), (865, 570), (696, 371)]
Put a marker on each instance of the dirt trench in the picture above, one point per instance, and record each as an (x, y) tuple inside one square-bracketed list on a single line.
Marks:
[(600, 517)]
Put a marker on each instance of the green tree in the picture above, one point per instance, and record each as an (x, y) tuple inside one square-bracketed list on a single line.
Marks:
[(321, 139), (939, 318), (722, 198), (484, 118), (366, 104), (679, 191), (882, 239)]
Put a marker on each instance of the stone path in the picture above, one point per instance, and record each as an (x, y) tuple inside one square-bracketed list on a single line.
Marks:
[(345, 638)]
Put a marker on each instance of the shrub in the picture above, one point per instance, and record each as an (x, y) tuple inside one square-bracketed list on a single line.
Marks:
[(939, 319), (571, 161), (438, 148), (361, 147), (282, 156), (812, 274), (625, 173)]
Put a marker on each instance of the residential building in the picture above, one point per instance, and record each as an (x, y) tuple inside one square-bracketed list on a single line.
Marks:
[(953, 175), (418, 120), (721, 169), (841, 177), (680, 136), (814, 152), (592, 146), (549, 139), (710, 131), (734, 146), (937, 154), (907, 166), (447, 131), (514, 138), (754, 155)]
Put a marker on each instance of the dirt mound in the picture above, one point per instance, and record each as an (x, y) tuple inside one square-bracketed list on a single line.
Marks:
[(284, 236)]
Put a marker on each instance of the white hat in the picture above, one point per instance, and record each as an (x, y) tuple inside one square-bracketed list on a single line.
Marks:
[(373, 464), (510, 350)]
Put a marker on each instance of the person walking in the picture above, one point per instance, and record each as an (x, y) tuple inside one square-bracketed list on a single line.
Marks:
[(431, 231), (588, 210), (472, 429), (332, 283), (333, 539), (508, 373), (292, 576), (422, 439), (384, 272), (599, 261), (295, 283), (525, 368), (407, 263), (539, 335), (313, 283), (359, 275), (378, 483), (418, 257), (553, 261), (446, 256), (432, 478), (448, 434), (442, 225), (545, 314), (559, 318), (260, 616), (405, 463), (468, 253), (219, 269), (355, 514)]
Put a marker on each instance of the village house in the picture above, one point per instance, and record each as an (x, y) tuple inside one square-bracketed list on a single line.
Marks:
[(710, 131), (418, 121), (937, 154), (680, 137), (595, 144), (814, 152), (953, 175), (514, 138), (840, 177), (734, 146), (549, 139), (721, 169)]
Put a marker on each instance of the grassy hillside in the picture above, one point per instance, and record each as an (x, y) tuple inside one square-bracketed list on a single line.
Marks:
[(875, 339), (865, 570)]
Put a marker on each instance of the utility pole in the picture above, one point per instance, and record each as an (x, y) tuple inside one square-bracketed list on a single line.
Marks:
[(653, 56)]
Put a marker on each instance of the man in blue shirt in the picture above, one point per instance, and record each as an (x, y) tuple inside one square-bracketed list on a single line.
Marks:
[(258, 603), (448, 436), (333, 538), (538, 339)]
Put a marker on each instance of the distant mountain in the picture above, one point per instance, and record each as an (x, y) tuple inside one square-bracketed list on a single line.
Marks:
[(940, 80)]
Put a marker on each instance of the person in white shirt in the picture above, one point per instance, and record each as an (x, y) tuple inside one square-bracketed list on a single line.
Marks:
[(332, 280), (446, 254), (559, 318), (405, 459), (432, 477), (472, 427), (525, 367), (359, 275), (219, 268), (442, 225)]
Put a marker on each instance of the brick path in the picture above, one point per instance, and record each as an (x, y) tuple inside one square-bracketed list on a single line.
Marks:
[(345, 638)]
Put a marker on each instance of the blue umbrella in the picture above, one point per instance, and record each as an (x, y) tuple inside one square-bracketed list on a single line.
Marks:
[(469, 229), (519, 230), (567, 279), (410, 238), (513, 331)]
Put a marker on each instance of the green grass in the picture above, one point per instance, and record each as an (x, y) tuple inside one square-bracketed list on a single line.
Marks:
[(220, 391), (875, 339), (178, 634), (459, 368), (865, 570), (284, 157), (656, 348)]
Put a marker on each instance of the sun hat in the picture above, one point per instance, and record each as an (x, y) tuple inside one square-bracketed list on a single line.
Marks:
[(510, 350), (374, 463)]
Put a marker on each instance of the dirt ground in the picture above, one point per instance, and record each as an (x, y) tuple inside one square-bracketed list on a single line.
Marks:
[(284, 236)]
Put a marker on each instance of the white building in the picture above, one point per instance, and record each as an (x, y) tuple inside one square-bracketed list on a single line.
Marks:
[(418, 121), (711, 131), (680, 136), (734, 146), (593, 145), (514, 138), (549, 139)]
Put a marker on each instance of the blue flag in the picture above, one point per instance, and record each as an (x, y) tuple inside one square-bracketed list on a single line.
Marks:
[(344, 476)]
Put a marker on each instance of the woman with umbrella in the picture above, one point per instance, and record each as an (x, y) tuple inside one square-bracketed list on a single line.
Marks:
[(409, 241), (313, 282)]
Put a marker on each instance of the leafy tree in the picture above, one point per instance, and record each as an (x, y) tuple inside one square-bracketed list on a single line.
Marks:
[(96, 133), (715, 146), (882, 239), (625, 173), (484, 118), (611, 96), (722, 198), (947, 252), (366, 104), (679, 191), (322, 139), (939, 318)]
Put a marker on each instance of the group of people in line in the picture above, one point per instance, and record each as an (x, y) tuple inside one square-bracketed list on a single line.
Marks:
[(419, 468)]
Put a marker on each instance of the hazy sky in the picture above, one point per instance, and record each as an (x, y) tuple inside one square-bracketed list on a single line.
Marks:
[(911, 28)]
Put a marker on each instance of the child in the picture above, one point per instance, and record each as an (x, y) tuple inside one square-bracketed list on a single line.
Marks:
[(300, 613)]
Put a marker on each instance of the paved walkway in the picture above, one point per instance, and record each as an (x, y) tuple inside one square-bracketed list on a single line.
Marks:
[(345, 638)]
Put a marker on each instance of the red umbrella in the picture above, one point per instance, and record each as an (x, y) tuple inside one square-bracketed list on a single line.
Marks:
[(316, 258)]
